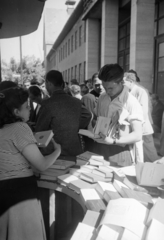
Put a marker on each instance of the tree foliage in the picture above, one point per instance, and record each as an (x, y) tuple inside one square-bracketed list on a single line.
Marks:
[(32, 70)]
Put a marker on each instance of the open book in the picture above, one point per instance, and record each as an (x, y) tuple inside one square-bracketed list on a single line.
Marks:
[(127, 213), (149, 174), (43, 138), (103, 125)]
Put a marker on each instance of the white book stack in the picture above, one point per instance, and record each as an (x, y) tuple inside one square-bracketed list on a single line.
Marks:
[(83, 232), (155, 230)]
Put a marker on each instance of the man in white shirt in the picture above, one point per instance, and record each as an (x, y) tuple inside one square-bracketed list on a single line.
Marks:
[(141, 94), (117, 99)]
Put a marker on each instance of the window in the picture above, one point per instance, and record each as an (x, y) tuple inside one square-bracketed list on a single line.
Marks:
[(71, 72), (80, 34), (76, 40), (79, 72), (75, 71), (124, 46), (66, 49), (159, 18), (65, 75), (61, 54), (68, 46), (68, 75), (84, 70), (63, 51), (72, 43)]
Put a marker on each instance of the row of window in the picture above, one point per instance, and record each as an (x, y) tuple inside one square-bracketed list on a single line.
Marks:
[(72, 44), (76, 72)]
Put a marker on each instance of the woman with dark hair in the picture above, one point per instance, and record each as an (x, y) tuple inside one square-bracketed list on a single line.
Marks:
[(20, 213)]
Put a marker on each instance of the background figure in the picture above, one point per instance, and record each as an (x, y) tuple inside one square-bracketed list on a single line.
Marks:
[(136, 75), (142, 95), (157, 112), (84, 89), (74, 82), (97, 86), (36, 96), (76, 91), (89, 84)]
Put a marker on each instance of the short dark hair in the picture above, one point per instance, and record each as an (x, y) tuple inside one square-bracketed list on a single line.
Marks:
[(94, 76), (111, 72), (10, 99), (56, 78), (35, 90), (7, 84), (74, 82)]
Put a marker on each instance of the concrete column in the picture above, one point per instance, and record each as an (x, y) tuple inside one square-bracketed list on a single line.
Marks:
[(109, 32), (142, 40), (92, 47)]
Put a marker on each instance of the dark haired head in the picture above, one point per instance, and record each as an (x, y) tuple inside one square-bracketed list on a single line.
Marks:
[(111, 72), (135, 73), (95, 75), (11, 99), (74, 82), (56, 78), (35, 91), (7, 84)]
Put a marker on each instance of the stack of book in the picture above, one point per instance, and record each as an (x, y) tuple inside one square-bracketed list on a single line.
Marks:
[(60, 167), (86, 157)]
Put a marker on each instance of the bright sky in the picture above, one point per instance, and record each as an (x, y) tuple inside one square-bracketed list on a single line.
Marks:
[(32, 44)]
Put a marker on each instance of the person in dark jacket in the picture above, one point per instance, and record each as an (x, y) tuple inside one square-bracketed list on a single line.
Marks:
[(63, 114)]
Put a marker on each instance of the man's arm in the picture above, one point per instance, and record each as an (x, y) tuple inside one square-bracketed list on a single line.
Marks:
[(85, 118)]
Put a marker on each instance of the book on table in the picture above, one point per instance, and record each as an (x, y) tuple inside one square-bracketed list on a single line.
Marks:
[(109, 232), (86, 156), (149, 174), (143, 198), (90, 177), (79, 184), (110, 195), (92, 200), (156, 212), (103, 173), (83, 232), (127, 213), (92, 218), (66, 179), (119, 187), (155, 230), (101, 187), (99, 162), (103, 125), (62, 164), (43, 138), (82, 159)]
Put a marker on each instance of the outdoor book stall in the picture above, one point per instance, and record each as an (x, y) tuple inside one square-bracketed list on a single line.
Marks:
[(117, 202)]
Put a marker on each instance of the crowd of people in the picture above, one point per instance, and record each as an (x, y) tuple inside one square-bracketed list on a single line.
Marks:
[(66, 108)]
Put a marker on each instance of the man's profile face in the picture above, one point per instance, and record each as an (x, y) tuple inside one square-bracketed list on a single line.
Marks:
[(112, 88), (97, 85)]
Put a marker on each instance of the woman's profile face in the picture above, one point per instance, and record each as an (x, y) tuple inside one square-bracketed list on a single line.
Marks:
[(23, 112)]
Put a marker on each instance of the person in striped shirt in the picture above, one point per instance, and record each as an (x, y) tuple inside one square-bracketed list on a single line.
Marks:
[(20, 215)]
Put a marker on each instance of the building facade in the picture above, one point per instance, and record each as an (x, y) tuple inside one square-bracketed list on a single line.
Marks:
[(129, 32)]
